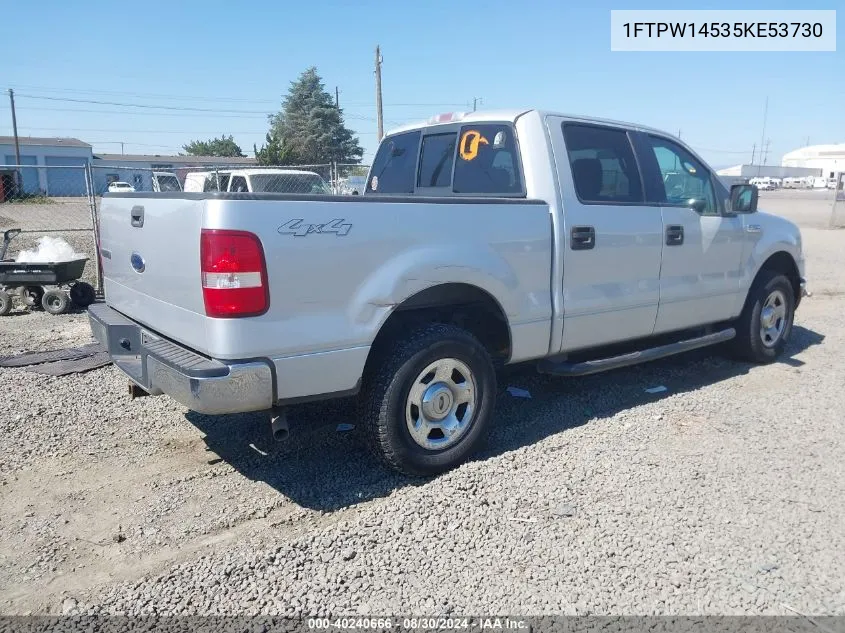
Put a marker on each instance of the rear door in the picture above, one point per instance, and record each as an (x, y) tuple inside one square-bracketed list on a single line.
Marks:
[(612, 239), (702, 245)]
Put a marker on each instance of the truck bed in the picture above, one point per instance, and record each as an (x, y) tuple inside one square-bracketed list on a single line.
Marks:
[(336, 267)]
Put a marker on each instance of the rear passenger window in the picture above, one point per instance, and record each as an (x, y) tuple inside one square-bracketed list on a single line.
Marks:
[(436, 159), (487, 161), (395, 164), (603, 166)]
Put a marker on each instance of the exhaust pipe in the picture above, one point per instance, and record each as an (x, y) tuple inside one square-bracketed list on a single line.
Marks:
[(279, 424)]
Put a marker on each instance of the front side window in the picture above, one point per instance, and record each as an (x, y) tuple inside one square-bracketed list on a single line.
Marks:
[(436, 159), (487, 161), (395, 164), (686, 182), (604, 169)]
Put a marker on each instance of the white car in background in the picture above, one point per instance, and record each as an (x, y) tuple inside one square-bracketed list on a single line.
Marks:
[(120, 187), (257, 180)]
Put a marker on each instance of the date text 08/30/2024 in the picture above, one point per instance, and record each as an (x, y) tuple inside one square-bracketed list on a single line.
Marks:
[(418, 623)]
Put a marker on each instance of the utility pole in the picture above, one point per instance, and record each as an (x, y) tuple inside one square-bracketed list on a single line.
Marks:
[(753, 152), (121, 148), (766, 152), (379, 112), (17, 143), (763, 137), (475, 102), (679, 132), (336, 98)]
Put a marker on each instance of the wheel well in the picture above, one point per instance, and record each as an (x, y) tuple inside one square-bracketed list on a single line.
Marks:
[(463, 305), (782, 262)]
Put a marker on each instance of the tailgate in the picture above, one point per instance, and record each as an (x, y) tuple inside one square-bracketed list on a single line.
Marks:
[(151, 263)]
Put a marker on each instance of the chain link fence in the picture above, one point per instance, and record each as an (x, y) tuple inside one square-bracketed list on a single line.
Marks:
[(49, 201), (328, 178), (63, 200)]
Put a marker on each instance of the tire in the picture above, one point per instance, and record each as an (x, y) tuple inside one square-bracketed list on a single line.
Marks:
[(82, 294), (55, 301), (765, 324), (396, 397), (32, 295), (5, 303)]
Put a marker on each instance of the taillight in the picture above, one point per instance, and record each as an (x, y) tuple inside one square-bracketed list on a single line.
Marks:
[(234, 274)]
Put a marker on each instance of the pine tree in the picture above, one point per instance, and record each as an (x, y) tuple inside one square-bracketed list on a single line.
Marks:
[(309, 129), (223, 146)]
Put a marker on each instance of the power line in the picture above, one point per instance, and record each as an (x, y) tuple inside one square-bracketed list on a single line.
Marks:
[(130, 113), (147, 106), (151, 95)]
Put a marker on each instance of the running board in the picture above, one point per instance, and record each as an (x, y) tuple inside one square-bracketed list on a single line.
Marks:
[(563, 368)]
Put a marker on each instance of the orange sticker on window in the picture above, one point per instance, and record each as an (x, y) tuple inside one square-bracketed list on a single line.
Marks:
[(470, 141)]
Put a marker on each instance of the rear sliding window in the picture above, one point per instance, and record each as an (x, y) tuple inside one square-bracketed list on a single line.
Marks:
[(487, 161), (395, 165), (436, 159)]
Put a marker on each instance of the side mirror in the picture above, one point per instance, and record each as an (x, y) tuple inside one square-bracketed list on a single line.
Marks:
[(698, 205), (744, 198)]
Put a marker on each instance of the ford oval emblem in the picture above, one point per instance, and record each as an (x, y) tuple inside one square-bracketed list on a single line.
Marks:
[(138, 263)]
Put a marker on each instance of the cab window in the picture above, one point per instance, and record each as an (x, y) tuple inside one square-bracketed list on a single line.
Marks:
[(395, 164), (487, 161), (686, 182), (604, 169), (239, 184)]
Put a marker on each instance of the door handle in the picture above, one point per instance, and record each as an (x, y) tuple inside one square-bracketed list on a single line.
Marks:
[(582, 238), (674, 235), (136, 216)]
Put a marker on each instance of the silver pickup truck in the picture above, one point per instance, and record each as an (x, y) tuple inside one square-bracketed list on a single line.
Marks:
[(578, 244)]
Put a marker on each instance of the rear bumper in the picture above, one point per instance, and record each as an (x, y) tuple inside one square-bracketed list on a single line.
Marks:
[(160, 366)]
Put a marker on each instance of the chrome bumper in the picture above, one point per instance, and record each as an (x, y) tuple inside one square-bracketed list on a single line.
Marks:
[(160, 366)]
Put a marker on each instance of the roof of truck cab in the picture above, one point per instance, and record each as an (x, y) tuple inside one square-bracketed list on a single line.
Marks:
[(268, 170), (512, 115)]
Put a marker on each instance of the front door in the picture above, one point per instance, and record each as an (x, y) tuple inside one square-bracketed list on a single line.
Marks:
[(610, 237), (702, 245)]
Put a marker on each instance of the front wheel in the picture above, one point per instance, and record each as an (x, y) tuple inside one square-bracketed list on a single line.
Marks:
[(428, 404), (5, 303), (765, 324)]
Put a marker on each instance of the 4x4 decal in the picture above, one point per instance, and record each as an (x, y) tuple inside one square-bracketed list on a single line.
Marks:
[(298, 228)]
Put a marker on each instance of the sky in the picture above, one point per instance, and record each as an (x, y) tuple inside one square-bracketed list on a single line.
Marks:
[(202, 69)]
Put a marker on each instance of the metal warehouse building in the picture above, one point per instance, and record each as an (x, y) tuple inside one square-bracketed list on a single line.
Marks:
[(64, 156), (828, 159)]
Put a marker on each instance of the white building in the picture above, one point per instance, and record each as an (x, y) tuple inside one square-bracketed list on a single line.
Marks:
[(828, 159), (65, 156), (137, 169)]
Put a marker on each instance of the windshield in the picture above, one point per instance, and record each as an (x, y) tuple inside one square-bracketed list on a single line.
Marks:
[(288, 183)]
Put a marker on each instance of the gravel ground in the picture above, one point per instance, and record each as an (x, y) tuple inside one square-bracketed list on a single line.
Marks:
[(722, 495)]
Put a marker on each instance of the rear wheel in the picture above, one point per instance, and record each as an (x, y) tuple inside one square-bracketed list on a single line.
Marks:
[(5, 303), (55, 301), (427, 406), (82, 294), (32, 295), (765, 324)]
